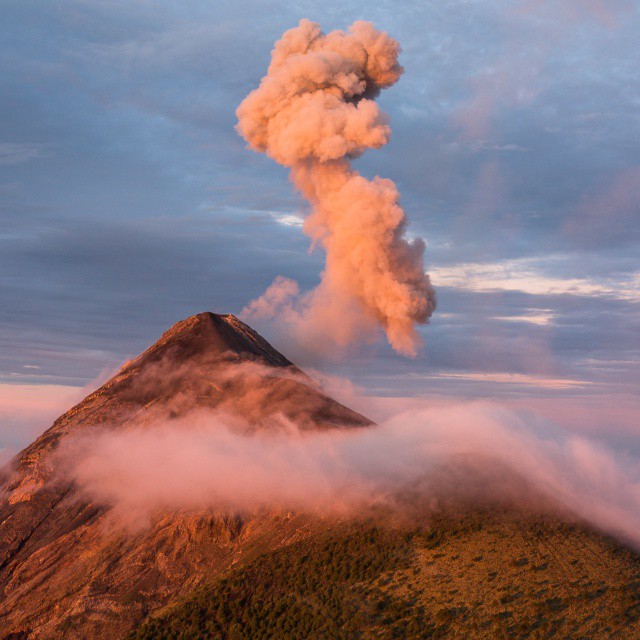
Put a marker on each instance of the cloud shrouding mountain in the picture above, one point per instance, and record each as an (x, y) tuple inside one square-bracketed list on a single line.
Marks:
[(313, 112), (437, 451)]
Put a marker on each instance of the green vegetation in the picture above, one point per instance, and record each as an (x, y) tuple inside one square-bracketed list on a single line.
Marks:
[(456, 579), (321, 588)]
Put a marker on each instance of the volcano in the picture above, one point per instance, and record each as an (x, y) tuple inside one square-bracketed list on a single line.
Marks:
[(483, 571)]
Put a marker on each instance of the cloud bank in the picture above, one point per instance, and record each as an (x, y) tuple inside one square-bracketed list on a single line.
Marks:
[(200, 462)]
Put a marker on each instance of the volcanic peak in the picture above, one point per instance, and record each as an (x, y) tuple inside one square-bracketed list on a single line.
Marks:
[(211, 335)]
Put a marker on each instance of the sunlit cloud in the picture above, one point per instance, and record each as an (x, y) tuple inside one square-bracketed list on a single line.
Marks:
[(515, 378), (288, 219), (528, 276), (537, 318)]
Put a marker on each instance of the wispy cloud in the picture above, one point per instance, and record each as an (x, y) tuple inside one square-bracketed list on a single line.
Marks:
[(475, 146), (532, 276), (531, 318), (137, 472), (519, 379), (21, 152), (288, 219)]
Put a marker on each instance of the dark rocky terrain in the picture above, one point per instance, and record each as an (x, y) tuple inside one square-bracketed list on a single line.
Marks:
[(462, 569)]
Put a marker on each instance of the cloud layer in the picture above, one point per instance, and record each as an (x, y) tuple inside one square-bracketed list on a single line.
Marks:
[(201, 462)]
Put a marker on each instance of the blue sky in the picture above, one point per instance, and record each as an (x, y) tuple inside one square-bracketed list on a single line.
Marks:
[(128, 201)]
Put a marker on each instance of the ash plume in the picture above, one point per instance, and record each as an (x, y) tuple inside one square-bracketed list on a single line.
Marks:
[(313, 112)]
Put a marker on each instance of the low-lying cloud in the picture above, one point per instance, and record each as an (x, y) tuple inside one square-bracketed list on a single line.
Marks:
[(201, 462)]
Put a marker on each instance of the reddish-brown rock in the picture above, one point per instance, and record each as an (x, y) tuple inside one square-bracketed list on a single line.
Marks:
[(64, 570)]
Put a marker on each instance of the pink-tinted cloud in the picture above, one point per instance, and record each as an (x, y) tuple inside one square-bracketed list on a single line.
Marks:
[(27, 410), (200, 462)]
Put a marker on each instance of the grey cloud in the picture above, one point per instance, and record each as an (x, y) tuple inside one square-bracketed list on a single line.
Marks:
[(17, 153), (112, 287)]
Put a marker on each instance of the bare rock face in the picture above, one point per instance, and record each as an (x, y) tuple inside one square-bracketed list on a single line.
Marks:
[(64, 571)]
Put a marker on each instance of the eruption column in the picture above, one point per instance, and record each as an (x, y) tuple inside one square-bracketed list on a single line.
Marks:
[(314, 111)]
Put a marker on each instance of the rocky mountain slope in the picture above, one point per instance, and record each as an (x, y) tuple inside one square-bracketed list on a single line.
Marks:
[(464, 568), (62, 567)]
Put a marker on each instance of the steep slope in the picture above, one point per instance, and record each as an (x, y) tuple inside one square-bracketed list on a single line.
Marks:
[(60, 560)]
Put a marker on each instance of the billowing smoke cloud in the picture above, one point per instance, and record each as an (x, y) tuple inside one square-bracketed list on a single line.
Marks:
[(313, 112), (201, 463)]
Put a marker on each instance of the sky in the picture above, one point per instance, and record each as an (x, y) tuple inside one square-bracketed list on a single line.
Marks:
[(129, 202)]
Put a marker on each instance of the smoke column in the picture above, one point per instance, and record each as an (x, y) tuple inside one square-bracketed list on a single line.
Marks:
[(313, 112)]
